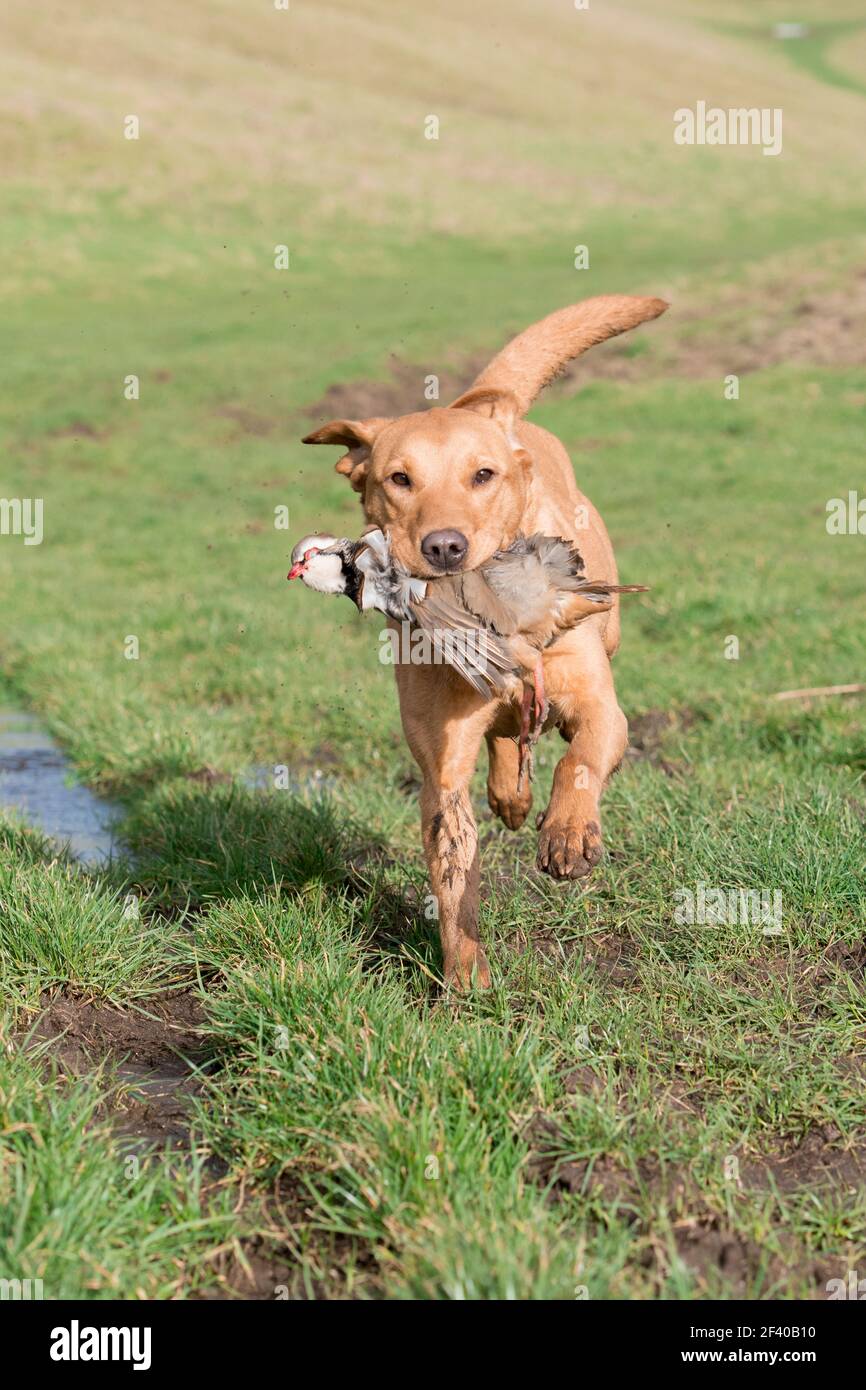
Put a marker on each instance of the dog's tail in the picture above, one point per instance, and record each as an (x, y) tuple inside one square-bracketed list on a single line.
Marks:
[(537, 355)]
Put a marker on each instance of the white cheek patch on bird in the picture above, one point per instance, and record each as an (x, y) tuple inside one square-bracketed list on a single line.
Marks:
[(491, 624)]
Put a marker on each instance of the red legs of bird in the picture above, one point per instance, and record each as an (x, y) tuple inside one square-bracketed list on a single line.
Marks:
[(541, 704), (534, 703), (524, 763)]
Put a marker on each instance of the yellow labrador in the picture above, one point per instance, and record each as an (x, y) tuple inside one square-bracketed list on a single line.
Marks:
[(452, 486)]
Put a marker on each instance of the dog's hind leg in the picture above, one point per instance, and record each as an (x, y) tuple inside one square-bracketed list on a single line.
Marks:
[(509, 797), (506, 798)]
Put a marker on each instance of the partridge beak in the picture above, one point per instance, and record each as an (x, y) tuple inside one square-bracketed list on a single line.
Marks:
[(296, 571)]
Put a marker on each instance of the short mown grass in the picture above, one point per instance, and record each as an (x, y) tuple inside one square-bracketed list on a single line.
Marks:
[(640, 1108)]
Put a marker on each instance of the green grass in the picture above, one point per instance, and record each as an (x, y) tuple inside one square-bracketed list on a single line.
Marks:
[(60, 927), (74, 1202), (581, 1130)]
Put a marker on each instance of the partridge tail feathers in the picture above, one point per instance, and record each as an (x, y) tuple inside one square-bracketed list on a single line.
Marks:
[(600, 586)]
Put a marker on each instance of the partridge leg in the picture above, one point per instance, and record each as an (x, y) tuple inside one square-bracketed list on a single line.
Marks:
[(540, 703), (525, 742)]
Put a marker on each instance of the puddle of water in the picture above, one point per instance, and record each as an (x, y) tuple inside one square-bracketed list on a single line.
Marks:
[(35, 782)]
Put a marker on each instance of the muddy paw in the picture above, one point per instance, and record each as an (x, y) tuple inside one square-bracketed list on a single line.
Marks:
[(468, 970), (512, 809), (568, 851)]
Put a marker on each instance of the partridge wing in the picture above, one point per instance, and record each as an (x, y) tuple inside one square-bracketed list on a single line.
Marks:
[(480, 655)]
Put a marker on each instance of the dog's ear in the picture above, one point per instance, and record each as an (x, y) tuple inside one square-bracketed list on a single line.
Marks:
[(498, 405), (358, 436), (490, 401)]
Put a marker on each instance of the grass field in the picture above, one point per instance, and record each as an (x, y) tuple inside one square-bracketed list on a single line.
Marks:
[(228, 1069)]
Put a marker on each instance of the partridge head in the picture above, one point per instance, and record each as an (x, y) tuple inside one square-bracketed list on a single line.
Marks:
[(318, 564)]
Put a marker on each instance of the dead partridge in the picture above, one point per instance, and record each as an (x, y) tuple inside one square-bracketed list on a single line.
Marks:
[(490, 624)]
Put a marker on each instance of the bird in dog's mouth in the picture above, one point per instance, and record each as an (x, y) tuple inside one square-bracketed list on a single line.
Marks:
[(490, 624)]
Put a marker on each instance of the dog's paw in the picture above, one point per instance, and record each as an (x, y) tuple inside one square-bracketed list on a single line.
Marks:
[(568, 850), (466, 970), (512, 807)]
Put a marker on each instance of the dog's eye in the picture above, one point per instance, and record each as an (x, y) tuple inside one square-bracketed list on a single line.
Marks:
[(482, 476), (400, 479)]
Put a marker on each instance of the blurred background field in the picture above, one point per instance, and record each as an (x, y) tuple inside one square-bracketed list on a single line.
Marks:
[(155, 257)]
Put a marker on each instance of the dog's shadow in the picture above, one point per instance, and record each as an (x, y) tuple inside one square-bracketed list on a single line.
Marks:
[(193, 844)]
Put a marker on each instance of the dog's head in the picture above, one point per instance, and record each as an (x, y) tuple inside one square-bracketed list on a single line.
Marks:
[(447, 485), (450, 486)]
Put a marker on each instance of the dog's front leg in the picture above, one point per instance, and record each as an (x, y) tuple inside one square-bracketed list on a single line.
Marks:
[(580, 685), (444, 722)]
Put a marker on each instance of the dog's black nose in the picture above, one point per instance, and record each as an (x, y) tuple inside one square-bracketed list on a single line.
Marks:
[(445, 550)]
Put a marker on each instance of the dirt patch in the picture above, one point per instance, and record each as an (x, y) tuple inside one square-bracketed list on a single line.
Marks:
[(260, 1270), (611, 958), (815, 1161), (582, 1081), (821, 330), (647, 732), (254, 1268), (400, 394), (707, 1249), (715, 1254), (745, 332), (208, 777), (845, 958), (86, 1033), (403, 391), (322, 755), (263, 1266), (155, 1053), (677, 1097), (600, 1178), (817, 982), (79, 429), (247, 422)]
